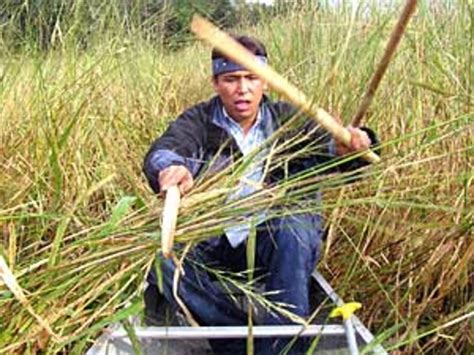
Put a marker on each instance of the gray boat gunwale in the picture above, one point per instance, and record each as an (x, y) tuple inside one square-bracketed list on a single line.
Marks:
[(116, 333)]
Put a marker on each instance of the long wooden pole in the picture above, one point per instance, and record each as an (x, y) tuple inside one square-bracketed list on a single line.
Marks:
[(224, 43), (392, 45), (228, 46)]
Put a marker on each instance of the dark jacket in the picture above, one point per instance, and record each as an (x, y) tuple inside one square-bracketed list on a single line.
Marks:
[(194, 136)]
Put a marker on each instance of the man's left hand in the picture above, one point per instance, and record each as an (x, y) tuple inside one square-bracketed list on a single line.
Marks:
[(359, 141)]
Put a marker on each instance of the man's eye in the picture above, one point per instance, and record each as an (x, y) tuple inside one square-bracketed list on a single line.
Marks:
[(251, 77)]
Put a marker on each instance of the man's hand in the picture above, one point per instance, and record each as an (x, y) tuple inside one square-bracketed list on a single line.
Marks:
[(359, 141), (176, 175)]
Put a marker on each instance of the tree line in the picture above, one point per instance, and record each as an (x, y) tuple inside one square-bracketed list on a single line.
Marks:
[(46, 24)]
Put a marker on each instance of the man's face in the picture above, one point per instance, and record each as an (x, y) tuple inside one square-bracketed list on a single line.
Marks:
[(241, 92)]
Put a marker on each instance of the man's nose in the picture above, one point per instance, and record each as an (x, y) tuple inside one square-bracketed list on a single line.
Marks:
[(244, 85)]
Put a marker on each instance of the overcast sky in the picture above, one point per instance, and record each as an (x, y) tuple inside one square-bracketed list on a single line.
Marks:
[(266, 2)]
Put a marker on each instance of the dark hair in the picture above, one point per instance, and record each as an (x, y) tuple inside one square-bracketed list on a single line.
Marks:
[(252, 44)]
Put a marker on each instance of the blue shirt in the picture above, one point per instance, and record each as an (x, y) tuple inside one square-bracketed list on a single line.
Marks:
[(252, 178)]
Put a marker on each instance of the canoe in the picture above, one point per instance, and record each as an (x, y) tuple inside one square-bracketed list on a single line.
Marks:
[(174, 336)]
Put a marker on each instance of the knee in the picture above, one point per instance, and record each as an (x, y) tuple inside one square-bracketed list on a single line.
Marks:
[(299, 237), (162, 272), (298, 231)]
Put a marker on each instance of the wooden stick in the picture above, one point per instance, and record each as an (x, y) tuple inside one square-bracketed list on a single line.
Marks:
[(239, 54), (170, 216), (392, 45)]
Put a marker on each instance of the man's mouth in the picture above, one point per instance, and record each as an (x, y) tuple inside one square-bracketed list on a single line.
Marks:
[(242, 105)]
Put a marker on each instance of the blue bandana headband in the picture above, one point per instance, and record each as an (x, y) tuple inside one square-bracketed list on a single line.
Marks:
[(222, 65)]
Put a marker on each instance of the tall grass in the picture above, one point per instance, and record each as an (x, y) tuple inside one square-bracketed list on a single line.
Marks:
[(80, 226)]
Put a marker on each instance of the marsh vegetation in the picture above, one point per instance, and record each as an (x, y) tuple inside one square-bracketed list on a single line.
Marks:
[(80, 227)]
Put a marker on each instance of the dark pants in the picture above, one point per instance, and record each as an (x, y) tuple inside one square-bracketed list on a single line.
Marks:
[(286, 253)]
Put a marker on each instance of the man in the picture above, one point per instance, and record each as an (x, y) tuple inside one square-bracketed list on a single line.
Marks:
[(233, 123)]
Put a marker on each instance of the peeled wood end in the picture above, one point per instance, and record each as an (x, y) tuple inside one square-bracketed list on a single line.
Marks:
[(170, 216)]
